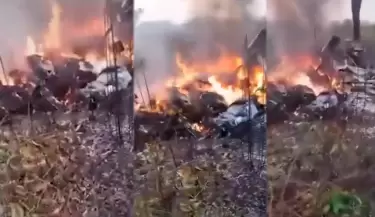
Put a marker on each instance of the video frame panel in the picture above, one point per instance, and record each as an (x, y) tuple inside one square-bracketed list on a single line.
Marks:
[(200, 130), (320, 108), (66, 108)]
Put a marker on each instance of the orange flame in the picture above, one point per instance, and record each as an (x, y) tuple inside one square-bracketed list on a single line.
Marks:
[(52, 38), (52, 41), (220, 73), (226, 76), (294, 71)]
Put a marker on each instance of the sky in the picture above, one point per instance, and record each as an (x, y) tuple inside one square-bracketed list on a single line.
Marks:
[(176, 11), (367, 11), (169, 10)]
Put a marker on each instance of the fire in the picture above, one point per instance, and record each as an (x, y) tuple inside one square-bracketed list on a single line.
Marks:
[(259, 84), (230, 93), (226, 63), (226, 76), (299, 71), (52, 37), (65, 39), (52, 41), (197, 127), (31, 47)]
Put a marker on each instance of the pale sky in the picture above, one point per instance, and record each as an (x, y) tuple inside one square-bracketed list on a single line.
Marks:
[(367, 10), (176, 10), (163, 10)]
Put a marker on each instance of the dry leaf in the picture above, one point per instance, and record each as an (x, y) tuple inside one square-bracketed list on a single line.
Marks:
[(39, 186), (20, 190), (334, 148), (2, 210), (14, 163), (326, 209), (29, 153), (185, 207), (4, 144), (91, 213), (56, 211), (274, 172), (16, 210), (196, 204)]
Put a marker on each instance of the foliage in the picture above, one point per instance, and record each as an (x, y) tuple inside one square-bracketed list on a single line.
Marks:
[(342, 203)]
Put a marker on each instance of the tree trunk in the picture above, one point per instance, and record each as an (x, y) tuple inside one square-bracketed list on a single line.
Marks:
[(356, 8)]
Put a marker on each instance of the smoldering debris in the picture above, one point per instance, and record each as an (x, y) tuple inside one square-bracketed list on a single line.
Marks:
[(55, 73), (200, 114), (60, 86), (197, 115), (352, 92)]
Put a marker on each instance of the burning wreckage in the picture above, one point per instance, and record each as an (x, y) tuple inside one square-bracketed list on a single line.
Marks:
[(223, 99), (327, 85), (57, 83), (330, 85), (60, 74)]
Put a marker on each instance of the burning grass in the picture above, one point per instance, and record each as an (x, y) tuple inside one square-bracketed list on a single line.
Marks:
[(309, 164)]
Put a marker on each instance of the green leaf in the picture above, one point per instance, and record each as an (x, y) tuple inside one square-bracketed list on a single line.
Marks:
[(344, 203)]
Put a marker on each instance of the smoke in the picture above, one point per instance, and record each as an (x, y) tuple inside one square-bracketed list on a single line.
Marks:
[(80, 11), (215, 26), (15, 24), (219, 8), (22, 18), (296, 26)]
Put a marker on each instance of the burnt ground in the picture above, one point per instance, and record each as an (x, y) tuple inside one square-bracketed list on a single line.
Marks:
[(306, 161), (211, 177)]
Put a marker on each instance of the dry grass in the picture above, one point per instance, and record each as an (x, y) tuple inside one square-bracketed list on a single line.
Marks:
[(180, 180), (72, 168), (40, 174), (306, 161)]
